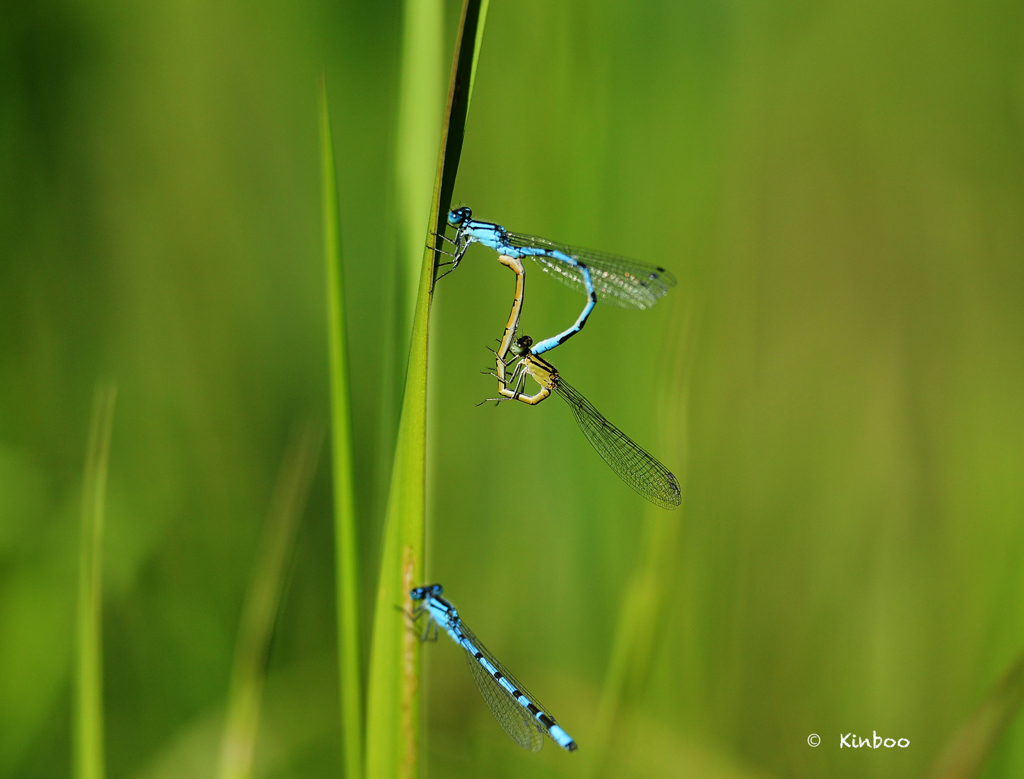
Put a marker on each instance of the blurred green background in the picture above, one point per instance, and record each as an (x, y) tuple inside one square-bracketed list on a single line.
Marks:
[(838, 377)]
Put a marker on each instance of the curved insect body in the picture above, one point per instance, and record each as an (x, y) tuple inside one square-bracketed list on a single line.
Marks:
[(617, 280), (517, 710), (630, 462)]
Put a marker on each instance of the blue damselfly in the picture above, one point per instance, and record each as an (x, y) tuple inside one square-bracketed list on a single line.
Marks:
[(609, 278), (517, 710)]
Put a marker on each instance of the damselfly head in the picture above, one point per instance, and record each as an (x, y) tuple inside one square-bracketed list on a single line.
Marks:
[(459, 216), (522, 345), (419, 593)]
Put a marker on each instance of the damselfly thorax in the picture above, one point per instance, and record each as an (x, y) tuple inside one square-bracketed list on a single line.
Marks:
[(526, 365)]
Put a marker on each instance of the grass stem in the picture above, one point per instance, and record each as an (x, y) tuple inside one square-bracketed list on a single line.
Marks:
[(393, 704), (89, 760), (346, 534)]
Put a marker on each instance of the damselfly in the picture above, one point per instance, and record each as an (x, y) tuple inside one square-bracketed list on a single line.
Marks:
[(629, 461), (517, 711), (612, 279)]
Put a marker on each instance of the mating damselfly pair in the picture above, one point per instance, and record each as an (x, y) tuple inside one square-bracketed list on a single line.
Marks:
[(602, 277)]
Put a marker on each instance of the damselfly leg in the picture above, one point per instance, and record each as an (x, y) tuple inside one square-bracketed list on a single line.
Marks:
[(413, 616)]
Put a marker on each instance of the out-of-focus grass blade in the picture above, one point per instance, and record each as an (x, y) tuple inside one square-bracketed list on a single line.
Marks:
[(248, 672), (393, 704), (88, 735), (643, 609), (346, 535), (419, 118), (970, 747), (299, 713)]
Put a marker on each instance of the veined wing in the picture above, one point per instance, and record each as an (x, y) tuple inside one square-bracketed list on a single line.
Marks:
[(521, 726), (618, 281), (632, 464)]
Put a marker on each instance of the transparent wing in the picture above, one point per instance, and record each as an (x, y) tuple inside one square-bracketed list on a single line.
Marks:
[(632, 464), (515, 720), (618, 281)]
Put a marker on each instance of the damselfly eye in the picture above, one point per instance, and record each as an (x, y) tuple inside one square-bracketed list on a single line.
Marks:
[(419, 593), (459, 216)]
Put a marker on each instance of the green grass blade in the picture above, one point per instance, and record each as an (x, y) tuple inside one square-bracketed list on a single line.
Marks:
[(643, 608), (471, 29), (419, 117), (393, 704), (478, 39), (969, 749), (346, 536), (277, 542), (88, 729)]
